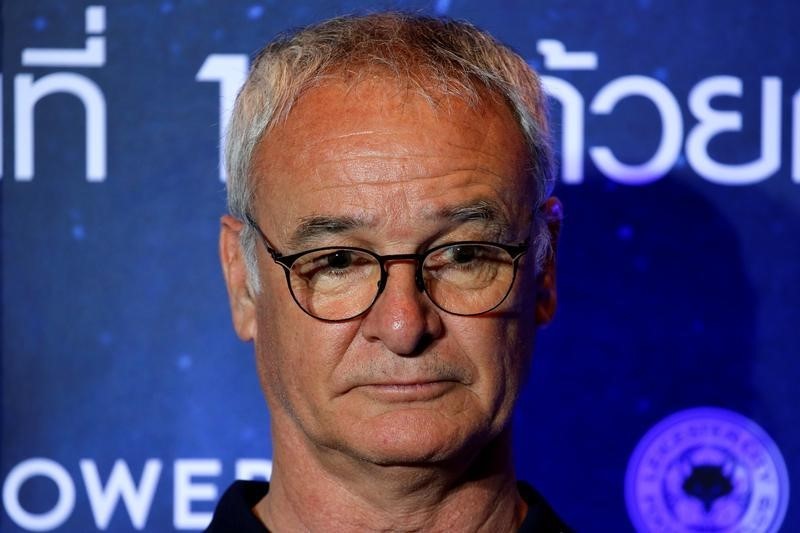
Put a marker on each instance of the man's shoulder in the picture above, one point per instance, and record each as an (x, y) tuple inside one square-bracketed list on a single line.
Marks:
[(540, 517), (234, 511)]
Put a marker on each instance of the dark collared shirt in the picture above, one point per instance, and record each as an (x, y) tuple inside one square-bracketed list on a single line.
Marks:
[(234, 511)]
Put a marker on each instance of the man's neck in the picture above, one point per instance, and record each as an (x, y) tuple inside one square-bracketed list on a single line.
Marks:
[(335, 494)]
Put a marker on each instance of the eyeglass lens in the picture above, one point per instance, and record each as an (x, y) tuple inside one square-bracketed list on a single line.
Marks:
[(466, 279)]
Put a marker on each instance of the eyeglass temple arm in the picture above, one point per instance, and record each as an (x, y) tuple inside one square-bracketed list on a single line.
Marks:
[(270, 249)]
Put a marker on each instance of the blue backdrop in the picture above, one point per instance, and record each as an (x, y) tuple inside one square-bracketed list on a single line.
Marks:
[(128, 402)]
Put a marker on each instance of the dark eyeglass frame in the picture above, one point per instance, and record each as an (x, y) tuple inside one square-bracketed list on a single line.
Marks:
[(516, 251)]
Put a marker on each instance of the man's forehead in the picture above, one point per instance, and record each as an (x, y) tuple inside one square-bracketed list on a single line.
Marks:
[(335, 109), (341, 142), (488, 213), (322, 105)]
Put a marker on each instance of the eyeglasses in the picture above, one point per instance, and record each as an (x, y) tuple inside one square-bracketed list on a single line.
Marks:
[(337, 283)]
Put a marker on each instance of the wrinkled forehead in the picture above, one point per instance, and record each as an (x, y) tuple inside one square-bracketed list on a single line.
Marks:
[(370, 104), (371, 90), (345, 136)]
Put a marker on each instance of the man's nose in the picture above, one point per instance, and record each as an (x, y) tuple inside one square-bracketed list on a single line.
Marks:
[(402, 318)]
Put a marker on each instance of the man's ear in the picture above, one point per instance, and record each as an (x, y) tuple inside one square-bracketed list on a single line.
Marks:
[(243, 310), (546, 278)]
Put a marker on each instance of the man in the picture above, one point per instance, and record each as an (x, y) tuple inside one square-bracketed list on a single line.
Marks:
[(389, 253)]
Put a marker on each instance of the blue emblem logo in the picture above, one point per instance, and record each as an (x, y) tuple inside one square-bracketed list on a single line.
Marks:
[(706, 470)]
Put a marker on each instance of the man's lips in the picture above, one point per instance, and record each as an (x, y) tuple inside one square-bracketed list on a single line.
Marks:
[(412, 391)]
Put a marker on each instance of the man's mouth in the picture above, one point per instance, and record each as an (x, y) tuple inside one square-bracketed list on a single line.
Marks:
[(417, 391)]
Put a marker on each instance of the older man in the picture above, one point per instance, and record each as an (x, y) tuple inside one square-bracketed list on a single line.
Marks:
[(389, 253)]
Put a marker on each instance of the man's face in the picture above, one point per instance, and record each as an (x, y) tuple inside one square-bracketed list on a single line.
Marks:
[(405, 382)]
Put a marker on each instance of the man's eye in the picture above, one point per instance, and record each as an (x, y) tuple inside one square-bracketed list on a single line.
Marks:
[(333, 263), (339, 259), (338, 264), (459, 257), (463, 254)]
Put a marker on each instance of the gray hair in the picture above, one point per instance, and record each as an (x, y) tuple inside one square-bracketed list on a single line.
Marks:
[(437, 56)]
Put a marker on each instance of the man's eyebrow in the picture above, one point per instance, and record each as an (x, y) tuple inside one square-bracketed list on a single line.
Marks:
[(315, 226), (481, 210)]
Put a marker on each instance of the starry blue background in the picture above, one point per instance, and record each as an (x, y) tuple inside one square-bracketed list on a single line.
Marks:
[(116, 339)]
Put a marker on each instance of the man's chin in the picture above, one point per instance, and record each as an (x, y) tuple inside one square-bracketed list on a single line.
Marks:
[(414, 437)]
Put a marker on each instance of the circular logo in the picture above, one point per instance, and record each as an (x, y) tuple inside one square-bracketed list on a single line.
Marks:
[(706, 470)]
